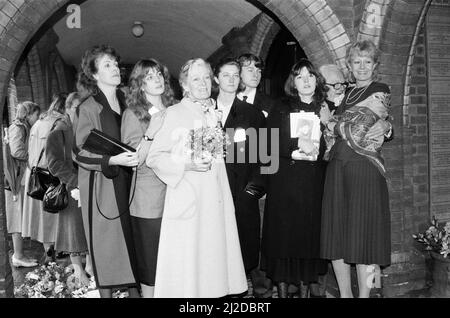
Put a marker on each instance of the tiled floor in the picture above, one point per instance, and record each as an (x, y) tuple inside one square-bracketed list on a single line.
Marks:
[(35, 250)]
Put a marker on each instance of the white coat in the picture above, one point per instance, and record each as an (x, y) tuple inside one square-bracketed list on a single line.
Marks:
[(199, 253)]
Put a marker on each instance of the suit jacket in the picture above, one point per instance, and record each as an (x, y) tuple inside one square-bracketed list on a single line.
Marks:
[(149, 191), (240, 169), (264, 102)]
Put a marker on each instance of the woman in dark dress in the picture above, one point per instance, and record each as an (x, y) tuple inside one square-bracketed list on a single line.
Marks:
[(291, 231), (356, 217), (104, 181)]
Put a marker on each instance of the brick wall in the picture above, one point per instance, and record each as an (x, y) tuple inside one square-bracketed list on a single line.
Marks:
[(23, 83), (418, 110)]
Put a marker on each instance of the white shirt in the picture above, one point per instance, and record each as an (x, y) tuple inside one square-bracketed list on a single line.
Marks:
[(225, 111), (250, 96)]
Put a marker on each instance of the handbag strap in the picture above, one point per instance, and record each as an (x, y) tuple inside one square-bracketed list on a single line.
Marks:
[(120, 213), (43, 149)]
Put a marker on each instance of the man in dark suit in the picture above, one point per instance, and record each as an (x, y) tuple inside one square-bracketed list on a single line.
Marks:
[(242, 122), (251, 71)]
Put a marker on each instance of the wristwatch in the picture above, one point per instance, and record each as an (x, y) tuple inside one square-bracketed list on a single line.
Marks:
[(148, 138)]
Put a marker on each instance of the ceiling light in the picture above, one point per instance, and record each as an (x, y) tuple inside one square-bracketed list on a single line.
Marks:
[(137, 29)]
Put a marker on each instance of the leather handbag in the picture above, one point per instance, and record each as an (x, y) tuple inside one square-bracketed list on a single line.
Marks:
[(56, 198), (255, 190), (41, 178)]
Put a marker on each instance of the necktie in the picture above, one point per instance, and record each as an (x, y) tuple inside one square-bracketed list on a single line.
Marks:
[(244, 98)]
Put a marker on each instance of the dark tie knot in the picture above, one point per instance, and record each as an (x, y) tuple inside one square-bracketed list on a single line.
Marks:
[(244, 98)]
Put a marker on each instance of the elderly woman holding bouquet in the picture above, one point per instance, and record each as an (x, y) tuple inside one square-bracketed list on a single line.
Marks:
[(199, 253), (355, 214)]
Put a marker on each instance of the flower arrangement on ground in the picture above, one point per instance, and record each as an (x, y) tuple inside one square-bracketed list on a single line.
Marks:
[(53, 281), (436, 238)]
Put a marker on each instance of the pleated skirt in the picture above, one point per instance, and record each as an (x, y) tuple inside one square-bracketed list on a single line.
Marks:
[(355, 214)]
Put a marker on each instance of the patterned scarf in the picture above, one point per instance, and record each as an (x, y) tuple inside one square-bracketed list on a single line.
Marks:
[(356, 121)]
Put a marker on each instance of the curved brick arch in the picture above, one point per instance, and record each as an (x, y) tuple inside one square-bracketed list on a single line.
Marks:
[(266, 31), (315, 26), (373, 20), (19, 21)]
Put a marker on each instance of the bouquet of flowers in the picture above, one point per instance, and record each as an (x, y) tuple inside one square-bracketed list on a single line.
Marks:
[(207, 143), (436, 238), (53, 281)]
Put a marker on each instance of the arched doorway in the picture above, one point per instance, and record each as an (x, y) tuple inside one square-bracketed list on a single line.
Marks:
[(283, 54)]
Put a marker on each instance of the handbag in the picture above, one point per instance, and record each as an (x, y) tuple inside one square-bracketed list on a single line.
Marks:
[(255, 190), (41, 178), (56, 198), (102, 144)]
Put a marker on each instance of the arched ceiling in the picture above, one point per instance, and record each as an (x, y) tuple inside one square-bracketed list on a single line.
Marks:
[(175, 30)]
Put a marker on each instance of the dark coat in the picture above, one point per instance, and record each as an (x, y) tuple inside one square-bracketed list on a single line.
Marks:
[(58, 151), (292, 215), (240, 172), (70, 235), (105, 189), (263, 102)]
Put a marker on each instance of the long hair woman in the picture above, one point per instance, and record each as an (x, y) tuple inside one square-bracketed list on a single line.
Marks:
[(149, 95)]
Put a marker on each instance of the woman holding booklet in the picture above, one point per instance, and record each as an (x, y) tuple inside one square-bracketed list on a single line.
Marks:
[(291, 232)]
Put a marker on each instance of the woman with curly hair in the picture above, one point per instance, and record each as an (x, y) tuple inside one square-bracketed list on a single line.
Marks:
[(149, 95), (104, 180)]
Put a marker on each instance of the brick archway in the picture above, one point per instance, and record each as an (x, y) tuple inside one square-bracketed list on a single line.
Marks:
[(266, 31), (315, 26)]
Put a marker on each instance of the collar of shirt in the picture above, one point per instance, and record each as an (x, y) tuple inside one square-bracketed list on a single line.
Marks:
[(225, 111), (250, 96)]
